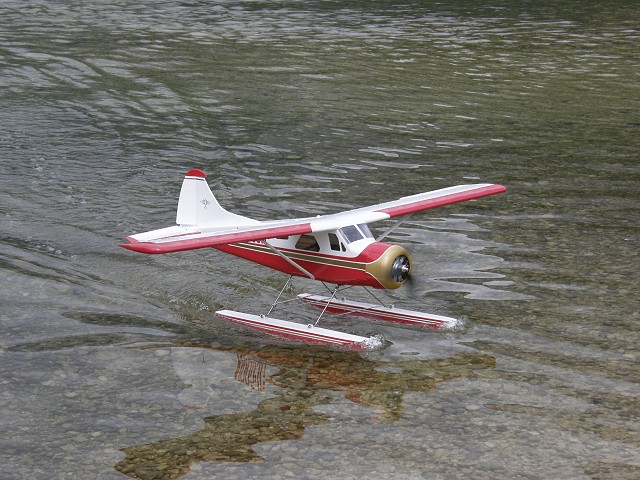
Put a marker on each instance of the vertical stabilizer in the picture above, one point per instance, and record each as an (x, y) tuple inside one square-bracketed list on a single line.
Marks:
[(198, 206)]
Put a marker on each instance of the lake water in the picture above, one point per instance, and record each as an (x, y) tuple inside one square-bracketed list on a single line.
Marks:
[(113, 363)]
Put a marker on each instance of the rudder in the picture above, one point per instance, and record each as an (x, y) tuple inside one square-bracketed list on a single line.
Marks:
[(198, 206)]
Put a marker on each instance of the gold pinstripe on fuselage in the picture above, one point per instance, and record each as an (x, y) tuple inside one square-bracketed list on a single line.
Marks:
[(299, 255)]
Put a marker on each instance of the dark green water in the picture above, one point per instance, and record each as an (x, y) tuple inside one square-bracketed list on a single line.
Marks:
[(112, 363)]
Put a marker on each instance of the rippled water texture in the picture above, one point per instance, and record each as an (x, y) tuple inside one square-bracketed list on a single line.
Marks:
[(112, 364)]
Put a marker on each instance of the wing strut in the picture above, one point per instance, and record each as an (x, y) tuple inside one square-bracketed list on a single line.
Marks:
[(279, 253), (393, 227)]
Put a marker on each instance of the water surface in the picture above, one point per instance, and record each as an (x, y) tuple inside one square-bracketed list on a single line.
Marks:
[(113, 364)]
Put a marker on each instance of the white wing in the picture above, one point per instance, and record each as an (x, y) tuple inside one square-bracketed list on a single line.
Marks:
[(203, 223)]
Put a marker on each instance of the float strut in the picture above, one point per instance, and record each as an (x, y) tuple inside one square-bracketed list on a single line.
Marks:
[(273, 305), (333, 294)]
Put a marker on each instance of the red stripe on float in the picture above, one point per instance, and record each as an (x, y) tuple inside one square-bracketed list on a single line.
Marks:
[(296, 332)]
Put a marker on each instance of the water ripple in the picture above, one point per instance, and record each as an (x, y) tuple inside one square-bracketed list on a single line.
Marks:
[(298, 108)]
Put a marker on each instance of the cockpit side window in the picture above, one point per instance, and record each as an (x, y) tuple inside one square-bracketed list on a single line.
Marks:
[(334, 242), (308, 242)]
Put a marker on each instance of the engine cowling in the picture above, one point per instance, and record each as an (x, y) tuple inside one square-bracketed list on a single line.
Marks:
[(393, 268)]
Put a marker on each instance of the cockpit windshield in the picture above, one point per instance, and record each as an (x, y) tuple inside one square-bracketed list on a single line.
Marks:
[(364, 228), (353, 233)]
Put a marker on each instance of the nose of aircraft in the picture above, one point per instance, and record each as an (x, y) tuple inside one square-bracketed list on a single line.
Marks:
[(393, 268), (400, 269)]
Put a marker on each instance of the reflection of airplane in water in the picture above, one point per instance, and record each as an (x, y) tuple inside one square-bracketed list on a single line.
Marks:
[(302, 380)]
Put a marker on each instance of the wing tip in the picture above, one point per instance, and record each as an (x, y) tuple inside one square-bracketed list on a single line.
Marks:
[(493, 189), (128, 246), (134, 245), (143, 247)]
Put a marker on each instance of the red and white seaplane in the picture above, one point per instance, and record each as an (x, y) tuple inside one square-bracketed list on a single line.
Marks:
[(337, 249)]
